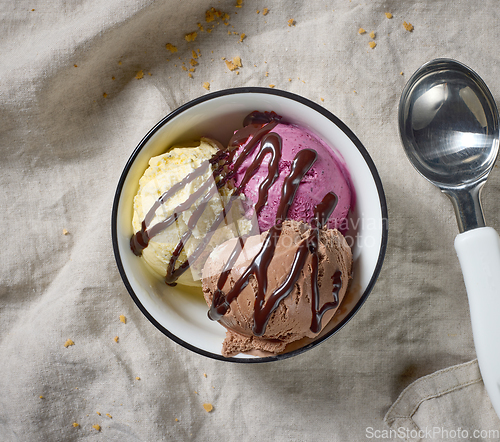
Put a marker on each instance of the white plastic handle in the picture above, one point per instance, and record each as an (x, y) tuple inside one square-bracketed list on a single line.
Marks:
[(478, 251)]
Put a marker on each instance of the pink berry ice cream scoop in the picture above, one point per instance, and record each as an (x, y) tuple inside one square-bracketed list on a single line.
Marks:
[(328, 174)]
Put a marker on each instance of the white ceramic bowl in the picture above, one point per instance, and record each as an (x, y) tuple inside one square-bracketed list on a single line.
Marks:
[(180, 312)]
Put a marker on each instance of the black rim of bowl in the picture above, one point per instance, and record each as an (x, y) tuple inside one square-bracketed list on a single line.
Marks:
[(325, 113)]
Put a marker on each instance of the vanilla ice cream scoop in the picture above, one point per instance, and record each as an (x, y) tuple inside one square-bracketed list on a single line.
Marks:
[(180, 199)]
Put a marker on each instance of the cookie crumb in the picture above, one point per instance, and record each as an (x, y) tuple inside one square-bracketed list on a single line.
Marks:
[(68, 343), (242, 37), (76, 424), (139, 75), (239, 3), (208, 407), (116, 338), (204, 375), (372, 44), (75, 65), (237, 61), (206, 85), (98, 413), (137, 378), (372, 34), (65, 232), (230, 65), (265, 11), (322, 99), (193, 62), (361, 31), (272, 85), (113, 78), (191, 36), (408, 26), (107, 414), (41, 397), (291, 22), (104, 94), (176, 420), (120, 63), (388, 15), (123, 319), (171, 47), (96, 427)]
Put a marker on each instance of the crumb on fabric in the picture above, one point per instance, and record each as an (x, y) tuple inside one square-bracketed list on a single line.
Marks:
[(65, 232), (242, 37), (237, 61), (361, 31), (372, 34), (372, 44), (41, 397), (208, 407), (322, 99), (137, 378), (388, 15), (230, 65), (104, 94), (139, 75), (98, 413), (265, 11), (171, 47), (75, 65), (68, 343), (96, 427), (176, 420), (123, 319), (76, 424), (239, 3), (272, 85), (291, 22), (107, 414), (191, 36), (120, 63), (206, 85), (204, 375), (408, 26), (113, 78)]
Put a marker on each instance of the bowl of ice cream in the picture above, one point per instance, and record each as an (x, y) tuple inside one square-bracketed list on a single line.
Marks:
[(249, 225)]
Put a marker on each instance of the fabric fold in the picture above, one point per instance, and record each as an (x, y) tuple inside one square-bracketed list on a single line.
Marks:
[(450, 404)]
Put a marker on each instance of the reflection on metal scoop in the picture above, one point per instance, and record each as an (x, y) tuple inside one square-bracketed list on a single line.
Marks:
[(448, 121)]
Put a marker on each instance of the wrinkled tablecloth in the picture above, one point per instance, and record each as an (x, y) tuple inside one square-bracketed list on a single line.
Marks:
[(81, 82)]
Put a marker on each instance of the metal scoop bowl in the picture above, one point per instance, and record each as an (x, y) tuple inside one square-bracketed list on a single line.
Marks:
[(448, 121)]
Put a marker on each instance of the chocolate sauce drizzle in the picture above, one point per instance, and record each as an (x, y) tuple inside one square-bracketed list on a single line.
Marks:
[(257, 125)]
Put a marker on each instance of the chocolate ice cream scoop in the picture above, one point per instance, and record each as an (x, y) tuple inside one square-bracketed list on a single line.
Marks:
[(304, 311)]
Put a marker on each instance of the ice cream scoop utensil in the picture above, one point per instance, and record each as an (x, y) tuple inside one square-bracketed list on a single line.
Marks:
[(448, 121)]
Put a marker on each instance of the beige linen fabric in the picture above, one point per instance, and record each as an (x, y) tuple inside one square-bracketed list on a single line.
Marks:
[(448, 405), (81, 82)]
